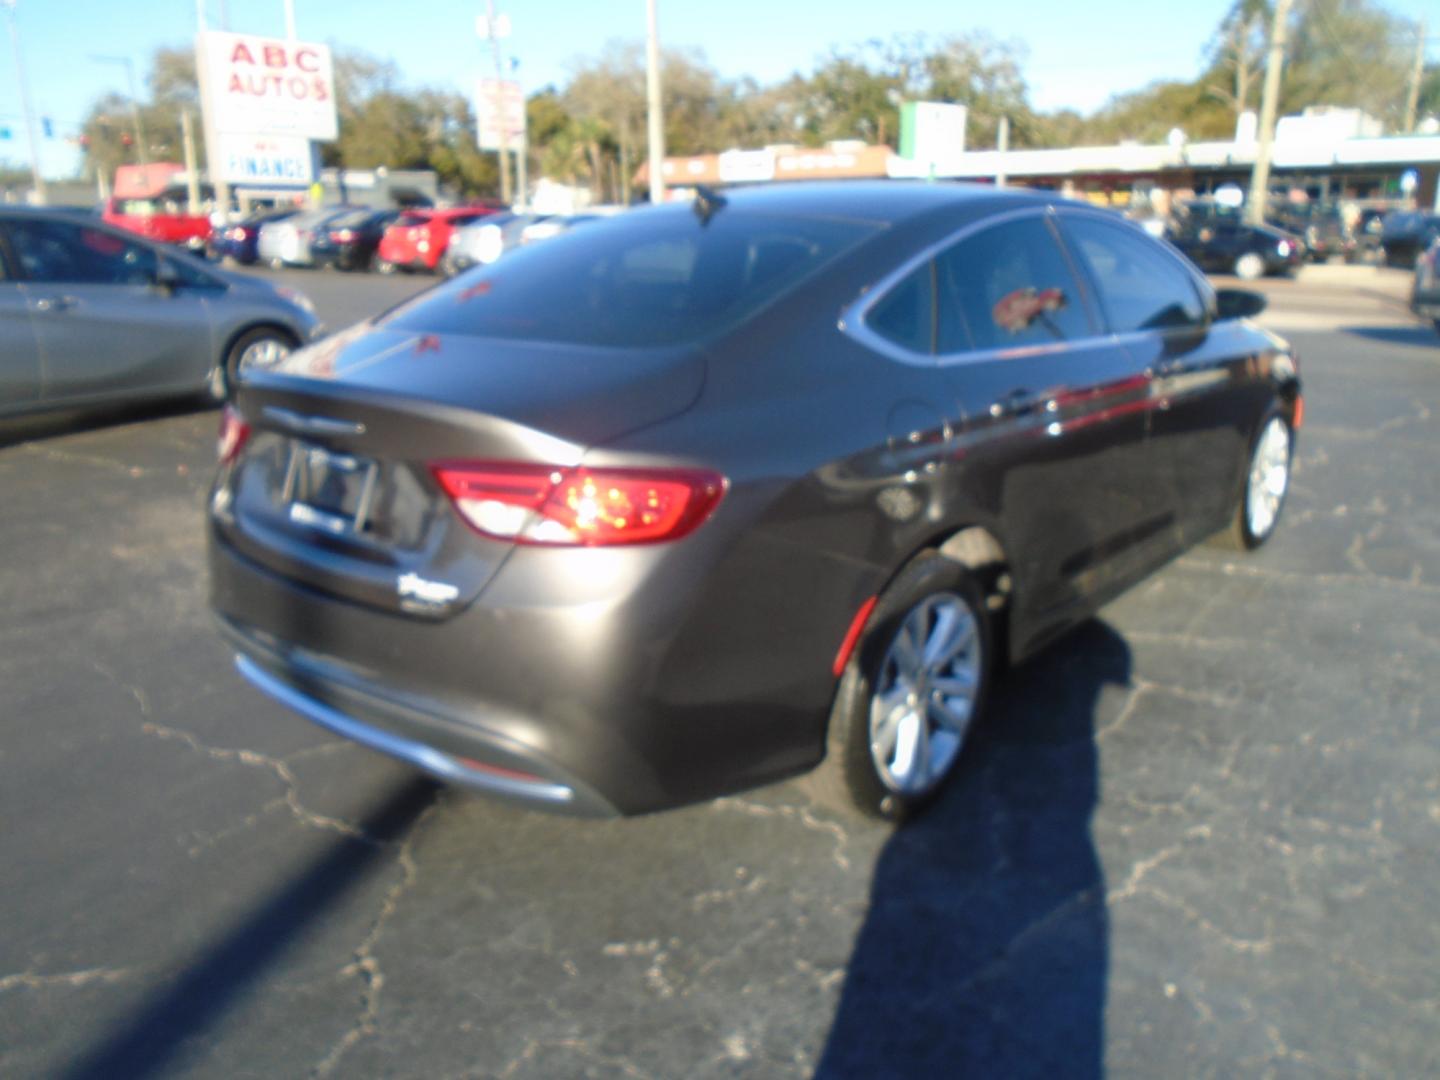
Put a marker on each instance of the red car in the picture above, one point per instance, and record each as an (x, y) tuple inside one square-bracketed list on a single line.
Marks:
[(162, 218), (417, 241)]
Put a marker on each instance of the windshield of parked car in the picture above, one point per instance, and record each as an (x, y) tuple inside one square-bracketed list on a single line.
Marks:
[(650, 277)]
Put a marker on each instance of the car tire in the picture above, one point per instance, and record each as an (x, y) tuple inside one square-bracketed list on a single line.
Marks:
[(1249, 267), (896, 781), (385, 266), (1267, 482), (245, 348)]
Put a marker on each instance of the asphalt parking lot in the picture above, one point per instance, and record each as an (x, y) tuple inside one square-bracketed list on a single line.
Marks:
[(1198, 838)]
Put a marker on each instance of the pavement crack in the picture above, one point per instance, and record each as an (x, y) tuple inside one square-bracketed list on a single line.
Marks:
[(282, 771), (1142, 867), (801, 814), (366, 965), (579, 1047), (32, 980)]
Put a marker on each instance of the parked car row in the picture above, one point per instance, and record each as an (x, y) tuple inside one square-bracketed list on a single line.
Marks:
[(425, 240)]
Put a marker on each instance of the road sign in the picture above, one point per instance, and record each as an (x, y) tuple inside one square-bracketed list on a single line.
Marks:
[(279, 160), (267, 86), (499, 114), (932, 131)]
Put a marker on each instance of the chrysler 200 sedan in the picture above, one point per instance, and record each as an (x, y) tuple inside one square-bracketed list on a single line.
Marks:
[(91, 315), (707, 495)]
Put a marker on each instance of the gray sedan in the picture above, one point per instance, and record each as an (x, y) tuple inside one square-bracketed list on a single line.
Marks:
[(91, 315)]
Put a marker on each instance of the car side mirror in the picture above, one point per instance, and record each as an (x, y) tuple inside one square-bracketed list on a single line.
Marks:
[(1238, 304), (165, 279)]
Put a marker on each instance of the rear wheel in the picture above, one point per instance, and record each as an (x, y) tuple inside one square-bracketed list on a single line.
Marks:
[(910, 695), (1267, 481), (1249, 267)]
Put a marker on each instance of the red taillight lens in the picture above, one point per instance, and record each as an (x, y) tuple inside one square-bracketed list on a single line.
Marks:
[(234, 433), (342, 236), (570, 507)]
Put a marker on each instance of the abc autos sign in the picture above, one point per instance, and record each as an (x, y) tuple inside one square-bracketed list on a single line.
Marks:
[(267, 86)]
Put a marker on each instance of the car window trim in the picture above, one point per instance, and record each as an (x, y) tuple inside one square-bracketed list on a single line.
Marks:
[(1200, 288), (853, 316)]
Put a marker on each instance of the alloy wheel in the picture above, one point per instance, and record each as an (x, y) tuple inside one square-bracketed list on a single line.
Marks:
[(925, 694), (264, 352), (1269, 478)]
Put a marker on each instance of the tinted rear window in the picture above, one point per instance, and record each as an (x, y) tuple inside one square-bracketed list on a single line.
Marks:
[(650, 278), (413, 219)]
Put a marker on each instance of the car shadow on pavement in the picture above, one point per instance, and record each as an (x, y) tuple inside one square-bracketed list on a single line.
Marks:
[(1423, 336), (197, 996), (984, 951), (53, 425)]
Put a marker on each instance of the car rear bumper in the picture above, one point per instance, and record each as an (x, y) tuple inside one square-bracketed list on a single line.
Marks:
[(610, 677), (415, 731)]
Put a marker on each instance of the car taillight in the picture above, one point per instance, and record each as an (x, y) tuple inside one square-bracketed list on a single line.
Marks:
[(342, 236), (539, 504), (234, 433)]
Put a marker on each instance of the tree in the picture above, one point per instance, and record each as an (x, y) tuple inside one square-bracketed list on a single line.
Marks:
[(1349, 53), (1237, 54)]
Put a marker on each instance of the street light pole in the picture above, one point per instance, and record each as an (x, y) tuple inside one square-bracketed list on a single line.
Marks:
[(1269, 101), (39, 180), (656, 117), (289, 18)]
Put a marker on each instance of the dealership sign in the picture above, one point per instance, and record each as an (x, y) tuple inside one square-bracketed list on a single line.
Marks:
[(267, 86), (499, 114), (265, 159)]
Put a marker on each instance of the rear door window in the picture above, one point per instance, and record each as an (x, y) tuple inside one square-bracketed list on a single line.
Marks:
[(651, 278), (1008, 287), (1142, 287), (65, 252)]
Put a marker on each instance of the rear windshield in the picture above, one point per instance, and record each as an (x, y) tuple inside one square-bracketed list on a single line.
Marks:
[(411, 217), (647, 278)]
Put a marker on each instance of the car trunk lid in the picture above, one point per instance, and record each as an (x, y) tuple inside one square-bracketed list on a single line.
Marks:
[(334, 487)]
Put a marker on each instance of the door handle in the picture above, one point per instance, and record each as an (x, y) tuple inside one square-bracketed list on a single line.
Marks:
[(1016, 401), (56, 303)]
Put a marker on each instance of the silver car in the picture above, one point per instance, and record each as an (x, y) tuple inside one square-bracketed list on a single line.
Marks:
[(90, 314), (483, 242), (287, 242)]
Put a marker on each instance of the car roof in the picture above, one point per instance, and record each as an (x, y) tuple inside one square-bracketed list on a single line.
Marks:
[(881, 201)]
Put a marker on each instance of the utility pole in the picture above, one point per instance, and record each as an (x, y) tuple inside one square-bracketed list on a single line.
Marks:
[(40, 194), (656, 116), (494, 34), (1269, 102), (522, 156), (192, 166), (1002, 144), (1412, 99)]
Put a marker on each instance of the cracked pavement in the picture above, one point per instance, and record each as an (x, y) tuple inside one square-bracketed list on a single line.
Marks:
[(1196, 838)]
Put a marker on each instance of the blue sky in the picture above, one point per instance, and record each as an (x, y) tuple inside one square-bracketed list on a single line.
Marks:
[(1079, 54)]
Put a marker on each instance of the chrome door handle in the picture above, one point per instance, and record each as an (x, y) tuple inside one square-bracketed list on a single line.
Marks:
[(1016, 401), (56, 303)]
